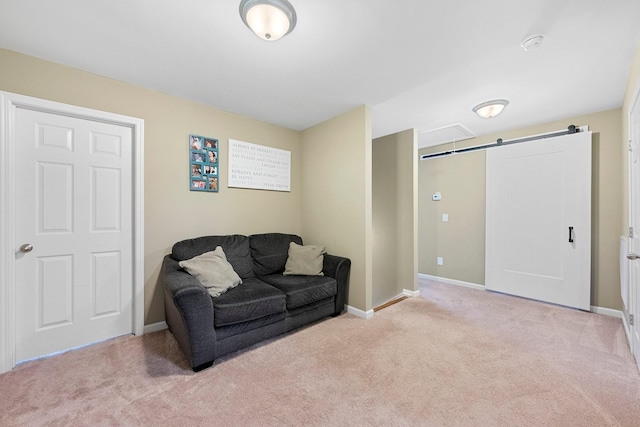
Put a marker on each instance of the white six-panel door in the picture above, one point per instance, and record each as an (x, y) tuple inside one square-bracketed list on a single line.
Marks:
[(74, 209), (634, 223), (538, 242)]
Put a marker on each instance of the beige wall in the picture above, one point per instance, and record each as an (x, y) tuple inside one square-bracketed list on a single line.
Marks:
[(172, 212), (407, 229), (394, 216), (461, 180), (336, 194), (385, 219)]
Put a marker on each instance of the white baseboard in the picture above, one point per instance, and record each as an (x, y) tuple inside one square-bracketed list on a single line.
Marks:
[(451, 281), (155, 327), (607, 312), (410, 294), (594, 309), (359, 313)]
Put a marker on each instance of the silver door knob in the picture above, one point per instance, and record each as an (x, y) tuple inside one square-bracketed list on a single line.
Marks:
[(27, 247), (633, 257)]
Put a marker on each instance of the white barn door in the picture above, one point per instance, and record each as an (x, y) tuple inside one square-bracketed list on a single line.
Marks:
[(538, 242), (71, 228)]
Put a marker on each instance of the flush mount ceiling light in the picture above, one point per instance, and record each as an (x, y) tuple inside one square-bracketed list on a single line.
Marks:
[(269, 19), (489, 109)]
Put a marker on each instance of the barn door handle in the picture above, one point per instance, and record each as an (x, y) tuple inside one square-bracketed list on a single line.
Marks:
[(570, 234)]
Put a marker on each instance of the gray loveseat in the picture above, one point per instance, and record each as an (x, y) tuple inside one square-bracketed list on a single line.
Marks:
[(266, 303)]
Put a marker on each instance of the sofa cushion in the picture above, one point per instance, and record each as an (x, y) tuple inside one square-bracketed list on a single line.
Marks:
[(236, 248), (303, 290), (270, 251), (213, 271), (224, 332), (304, 260), (251, 300)]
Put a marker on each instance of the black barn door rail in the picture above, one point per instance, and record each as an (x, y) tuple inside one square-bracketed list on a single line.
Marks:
[(499, 143)]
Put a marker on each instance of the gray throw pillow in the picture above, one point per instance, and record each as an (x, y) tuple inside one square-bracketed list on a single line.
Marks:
[(212, 270), (304, 260)]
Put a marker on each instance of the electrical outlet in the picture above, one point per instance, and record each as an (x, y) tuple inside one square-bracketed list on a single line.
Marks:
[(440, 261), (445, 217)]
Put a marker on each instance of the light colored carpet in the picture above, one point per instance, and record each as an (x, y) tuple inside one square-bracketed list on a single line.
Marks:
[(452, 357)]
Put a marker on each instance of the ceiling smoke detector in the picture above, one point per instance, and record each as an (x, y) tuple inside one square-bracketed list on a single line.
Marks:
[(532, 42)]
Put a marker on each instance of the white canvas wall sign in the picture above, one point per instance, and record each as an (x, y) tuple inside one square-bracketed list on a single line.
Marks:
[(259, 167)]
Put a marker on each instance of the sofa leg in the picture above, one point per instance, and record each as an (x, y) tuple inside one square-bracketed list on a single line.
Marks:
[(203, 366)]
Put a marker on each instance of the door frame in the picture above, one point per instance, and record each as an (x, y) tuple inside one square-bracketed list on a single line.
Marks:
[(634, 293), (9, 103)]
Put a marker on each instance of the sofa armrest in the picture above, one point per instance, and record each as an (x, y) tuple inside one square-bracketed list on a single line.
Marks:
[(189, 313), (338, 268)]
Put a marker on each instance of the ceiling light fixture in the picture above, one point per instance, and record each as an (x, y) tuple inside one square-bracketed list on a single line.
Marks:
[(489, 109), (269, 19)]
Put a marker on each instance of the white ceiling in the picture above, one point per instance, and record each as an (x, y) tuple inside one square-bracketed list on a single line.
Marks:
[(416, 63)]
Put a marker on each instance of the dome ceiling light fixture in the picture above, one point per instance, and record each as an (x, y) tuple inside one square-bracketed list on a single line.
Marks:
[(489, 109), (269, 19)]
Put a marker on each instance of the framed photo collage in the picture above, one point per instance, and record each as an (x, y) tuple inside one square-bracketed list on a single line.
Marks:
[(203, 163)]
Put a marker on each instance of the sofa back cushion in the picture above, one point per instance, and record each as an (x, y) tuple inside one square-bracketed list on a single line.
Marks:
[(236, 248), (269, 252)]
